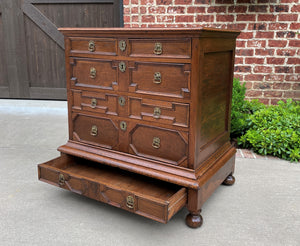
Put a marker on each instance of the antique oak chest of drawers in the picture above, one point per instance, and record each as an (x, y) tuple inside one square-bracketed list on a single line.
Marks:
[(149, 118)]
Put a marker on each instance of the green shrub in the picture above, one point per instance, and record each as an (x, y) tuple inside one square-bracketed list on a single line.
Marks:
[(275, 130)]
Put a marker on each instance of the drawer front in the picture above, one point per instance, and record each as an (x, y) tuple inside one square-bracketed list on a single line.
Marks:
[(100, 74), (164, 79), (98, 131), (101, 46), (170, 113), (96, 102), (141, 195), (159, 144), (173, 48)]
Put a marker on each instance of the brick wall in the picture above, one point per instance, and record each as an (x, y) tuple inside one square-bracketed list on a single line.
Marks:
[(268, 50)]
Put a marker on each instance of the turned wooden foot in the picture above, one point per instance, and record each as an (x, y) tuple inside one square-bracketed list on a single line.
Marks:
[(229, 180), (194, 219)]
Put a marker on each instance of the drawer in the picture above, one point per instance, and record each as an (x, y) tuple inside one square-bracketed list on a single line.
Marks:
[(97, 102), (173, 48), (145, 196), (98, 131), (101, 74), (165, 112), (100, 46), (160, 144), (163, 79)]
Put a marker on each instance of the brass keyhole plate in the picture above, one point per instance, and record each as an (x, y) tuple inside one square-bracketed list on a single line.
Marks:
[(122, 67), (156, 112), (157, 49), (94, 131), (123, 125), (121, 101), (92, 46), (122, 45), (157, 78), (130, 202), (94, 103), (156, 143)]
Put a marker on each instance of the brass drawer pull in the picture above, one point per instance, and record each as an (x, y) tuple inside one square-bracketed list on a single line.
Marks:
[(157, 78), (123, 125), (122, 67), (122, 45), (94, 103), (130, 202), (121, 101), (157, 49), (93, 72), (156, 112), (61, 179), (94, 131), (92, 46), (156, 143)]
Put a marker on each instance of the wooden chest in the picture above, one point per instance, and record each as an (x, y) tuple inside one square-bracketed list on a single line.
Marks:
[(149, 118)]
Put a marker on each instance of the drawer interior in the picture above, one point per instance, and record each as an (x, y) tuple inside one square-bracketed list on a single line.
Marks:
[(146, 196)]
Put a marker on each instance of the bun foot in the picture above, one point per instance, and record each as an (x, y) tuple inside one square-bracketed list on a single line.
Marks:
[(229, 180), (194, 220)]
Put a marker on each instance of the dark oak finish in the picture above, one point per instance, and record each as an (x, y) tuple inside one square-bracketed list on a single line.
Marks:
[(154, 103)]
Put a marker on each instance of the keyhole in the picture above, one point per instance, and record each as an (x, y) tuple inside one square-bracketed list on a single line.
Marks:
[(123, 125)]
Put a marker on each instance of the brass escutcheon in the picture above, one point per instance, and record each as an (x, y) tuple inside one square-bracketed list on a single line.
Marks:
[(130, 201), (157, 49), (61, 179), (123, 125), (122, 67), (121, 101), (94, 103), (157, 78), (122, 45), (156, 112), (92, 46), (94, 130), (156, 143), (93, 72)]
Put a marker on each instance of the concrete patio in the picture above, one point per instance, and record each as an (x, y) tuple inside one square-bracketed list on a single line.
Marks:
[(262, 208)]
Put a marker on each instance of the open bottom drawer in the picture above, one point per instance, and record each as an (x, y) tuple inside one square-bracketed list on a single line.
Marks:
[(148, 197)]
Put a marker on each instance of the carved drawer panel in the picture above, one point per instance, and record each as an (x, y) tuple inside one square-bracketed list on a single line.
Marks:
[(95, 102), (173, 48), (151, 198), (98, 46), (164, 79), (101, 74), (165, 112), (159, 144), (98, 131)]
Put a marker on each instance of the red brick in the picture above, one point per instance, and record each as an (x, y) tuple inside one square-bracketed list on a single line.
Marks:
[(239, 60), (245, 18), (176, 10), (156, 25), (216, 9), (272, 93), (196, 9), (164, 18), (278, 26), (289, 1), (134, 18), (202, 1), (148, 18), (256, 43), (239, 76), (242, 69), (248, 85), (295, 61), (275, 102), (246, 35), (125, 2), (224, 1), (266, 17), (296, 86), (262, 86), (134, 10), (273, 60), (236, 26), (184, 18), (283, 69), (143, 10), (156, 10), (134, 1), (126, 11), (285, 34), (256, 26), (264, 101), (297, 69), (258, 8), (264, 35), (296, 8), (292, 94), (254, 60), (243, 1), (146, 2), (264, 52), (262, 69), (277, 43), (293, 77), (274, 77), (225, 18), (205, 18), (135, 25), (240, 44), (127, 25), (285, 52), (254, 77), (294, 43), (237, 9), (295, 26), (183, 2), (244, 52), (282, 86), (253, 93), (279, 8), (126, 19), (287, 17), (163, 2)]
